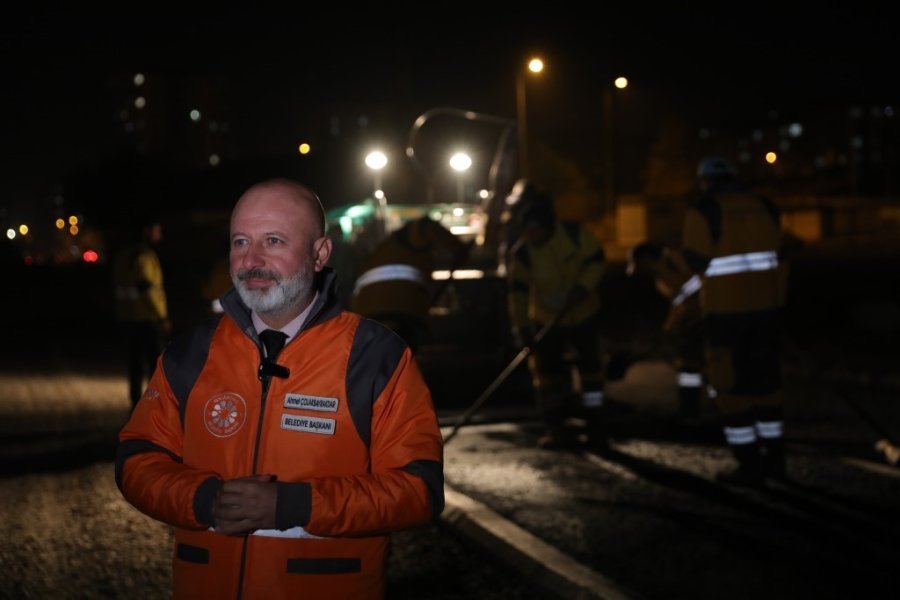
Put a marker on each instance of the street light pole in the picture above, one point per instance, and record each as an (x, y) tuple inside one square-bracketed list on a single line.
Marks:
[(608, 162), (522, 124), (609, 191), (535, 65), (377, 160)]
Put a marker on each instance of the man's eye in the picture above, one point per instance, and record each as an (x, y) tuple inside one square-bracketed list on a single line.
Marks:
[(238, 242), (274, 241)]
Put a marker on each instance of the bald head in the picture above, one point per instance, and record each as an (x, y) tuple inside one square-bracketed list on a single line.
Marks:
[(284, 193)]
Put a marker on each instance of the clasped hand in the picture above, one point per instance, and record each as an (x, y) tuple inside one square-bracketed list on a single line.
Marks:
[(246, 504)]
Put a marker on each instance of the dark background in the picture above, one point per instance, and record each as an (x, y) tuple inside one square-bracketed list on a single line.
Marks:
[(705, 78), (345, 78)]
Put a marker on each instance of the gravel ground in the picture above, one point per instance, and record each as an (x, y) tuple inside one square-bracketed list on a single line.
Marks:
[(69, 534)]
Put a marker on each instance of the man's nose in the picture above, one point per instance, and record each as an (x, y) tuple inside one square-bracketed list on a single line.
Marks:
[(253, 257)]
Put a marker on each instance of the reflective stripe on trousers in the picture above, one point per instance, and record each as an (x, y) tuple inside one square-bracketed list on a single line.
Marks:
[(592, 398), (689, 379), (748, 434), (770, 430)]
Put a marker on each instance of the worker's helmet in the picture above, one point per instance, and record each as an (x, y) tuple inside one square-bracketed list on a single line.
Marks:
[(715, 167)]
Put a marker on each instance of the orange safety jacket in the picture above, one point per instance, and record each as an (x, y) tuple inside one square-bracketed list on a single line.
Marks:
[(351, 436)]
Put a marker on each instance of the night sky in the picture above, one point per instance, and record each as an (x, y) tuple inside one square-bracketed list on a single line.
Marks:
[(714, 62)]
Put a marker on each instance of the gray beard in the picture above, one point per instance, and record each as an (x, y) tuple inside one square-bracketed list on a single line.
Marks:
[(280, 297)]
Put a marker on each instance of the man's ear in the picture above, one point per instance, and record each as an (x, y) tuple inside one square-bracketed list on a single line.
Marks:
[(322, 248)]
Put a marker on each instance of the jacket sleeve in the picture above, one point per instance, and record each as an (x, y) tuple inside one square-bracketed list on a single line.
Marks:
[(405, 483), (149, 468)]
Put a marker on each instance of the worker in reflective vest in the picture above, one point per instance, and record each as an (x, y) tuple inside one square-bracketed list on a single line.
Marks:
[(554, 286), (394, 285), (141, 306), (732, 241)]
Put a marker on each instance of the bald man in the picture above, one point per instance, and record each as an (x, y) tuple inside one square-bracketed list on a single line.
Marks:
[(285, 439)]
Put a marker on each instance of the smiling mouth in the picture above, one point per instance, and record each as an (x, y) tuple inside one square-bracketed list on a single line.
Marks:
[(258, 279), (258, 282)]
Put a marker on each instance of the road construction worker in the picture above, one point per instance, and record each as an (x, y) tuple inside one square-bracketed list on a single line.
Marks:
[(682, 328), (554, 308), (732, 241), (394, 285), (141, 307)]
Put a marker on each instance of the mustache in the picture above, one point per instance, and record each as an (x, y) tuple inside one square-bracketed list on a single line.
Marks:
[(257, 273)]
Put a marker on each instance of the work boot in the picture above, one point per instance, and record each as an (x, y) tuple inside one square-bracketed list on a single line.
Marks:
[(598, 428), (773, 461), (749, 471)]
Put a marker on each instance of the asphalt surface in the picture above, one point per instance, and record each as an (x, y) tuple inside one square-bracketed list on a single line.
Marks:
[(644, 519)]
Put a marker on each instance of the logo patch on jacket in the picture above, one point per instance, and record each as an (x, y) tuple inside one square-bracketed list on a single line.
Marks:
[(308, 424), (307, 402), (224, 414)]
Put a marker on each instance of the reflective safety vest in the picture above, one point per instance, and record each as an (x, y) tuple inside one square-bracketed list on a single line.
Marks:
[(541, 277), (732, 241), (395, 279), (138, 285)]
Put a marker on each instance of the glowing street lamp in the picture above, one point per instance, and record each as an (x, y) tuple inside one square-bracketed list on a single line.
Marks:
[(460, 162), (535, 66), (620, 83), (377, 160)]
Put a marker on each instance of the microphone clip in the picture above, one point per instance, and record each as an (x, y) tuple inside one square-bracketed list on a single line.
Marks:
[(269, 369)]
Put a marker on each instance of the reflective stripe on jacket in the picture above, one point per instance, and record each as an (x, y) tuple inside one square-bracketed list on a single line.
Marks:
[(351, 436)]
